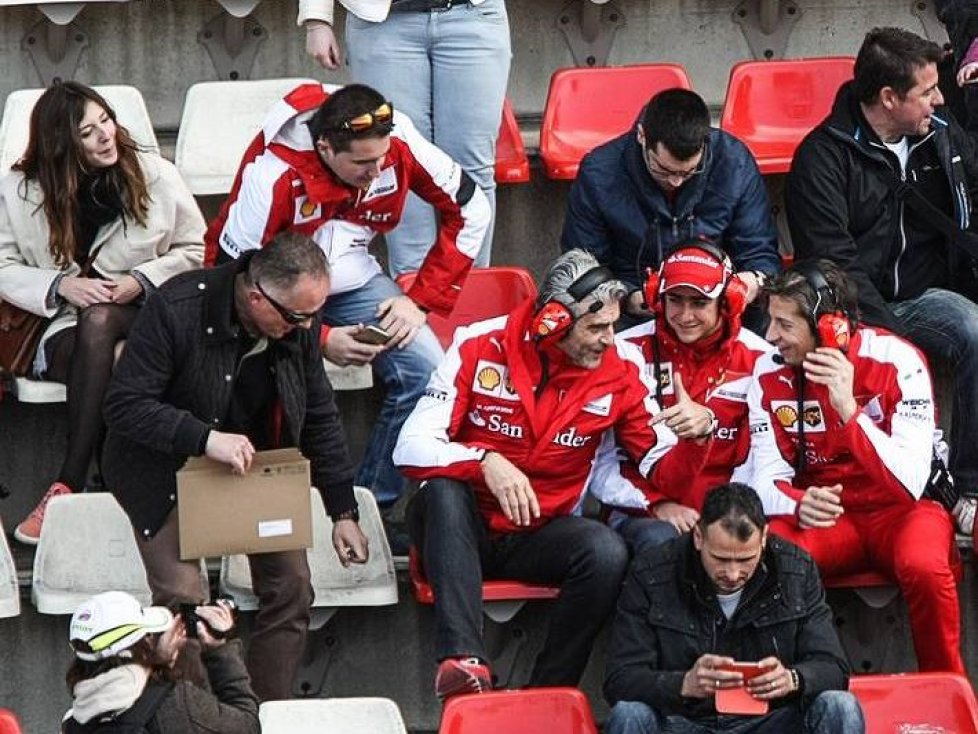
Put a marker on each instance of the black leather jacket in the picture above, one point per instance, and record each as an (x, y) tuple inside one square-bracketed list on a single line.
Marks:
[(174, 383), (668, 616)]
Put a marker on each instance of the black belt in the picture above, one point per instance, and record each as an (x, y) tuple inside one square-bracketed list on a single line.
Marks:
[(398, 6)]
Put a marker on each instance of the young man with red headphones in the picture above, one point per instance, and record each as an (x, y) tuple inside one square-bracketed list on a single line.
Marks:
[(842, 426), (504, 439), (699, 360)]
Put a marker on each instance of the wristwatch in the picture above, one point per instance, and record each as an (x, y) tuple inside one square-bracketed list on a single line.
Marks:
[(353, 514)]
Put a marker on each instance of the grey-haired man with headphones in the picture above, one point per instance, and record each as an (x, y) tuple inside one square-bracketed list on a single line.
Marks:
[(842, 433), (504, 439)]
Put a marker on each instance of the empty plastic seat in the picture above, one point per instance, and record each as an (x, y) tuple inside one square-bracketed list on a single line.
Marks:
[(8, 722), (772, 105), (502, 598), (220, 119), (27, 390), (130, 110), (333, 715), (359, 585), (512, 165), (87, 546), (9, 590), (588, 107), (487, 292), (530, 711), (928, 703)]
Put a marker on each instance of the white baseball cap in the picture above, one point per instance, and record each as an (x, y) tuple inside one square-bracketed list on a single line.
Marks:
[(111, 622)]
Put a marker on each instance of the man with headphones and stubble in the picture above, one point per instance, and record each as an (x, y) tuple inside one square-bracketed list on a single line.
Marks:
[(503, 440), (699, 359), (842, 446)]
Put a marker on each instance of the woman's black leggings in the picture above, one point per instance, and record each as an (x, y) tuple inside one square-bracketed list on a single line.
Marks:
[(83, 357)]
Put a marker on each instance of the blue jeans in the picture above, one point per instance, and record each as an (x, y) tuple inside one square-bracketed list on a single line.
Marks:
[(832, 712), (447, 70), (584, 557), (944, 324), (644, 533), (405, 374)]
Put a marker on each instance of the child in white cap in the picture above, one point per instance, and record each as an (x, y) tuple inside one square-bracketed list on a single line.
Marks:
[(122, 672)]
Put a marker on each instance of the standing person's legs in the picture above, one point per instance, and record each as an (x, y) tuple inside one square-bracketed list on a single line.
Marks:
[(587, 559), (915, 546), (392, 57), (470, 59), (173, 582), (945, 326), (405, 373), (281, 582), (447, 528)]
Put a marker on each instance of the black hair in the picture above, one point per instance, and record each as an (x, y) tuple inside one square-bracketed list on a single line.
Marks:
[(289, 255), (889, 57), (796, 284), (736, 507), (679, 119), (342, 106)]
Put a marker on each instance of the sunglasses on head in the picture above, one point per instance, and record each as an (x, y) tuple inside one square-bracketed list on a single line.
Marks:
[(380, 116), (291, 317)]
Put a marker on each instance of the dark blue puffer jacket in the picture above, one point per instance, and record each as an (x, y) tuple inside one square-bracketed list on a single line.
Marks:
[(617, 212)]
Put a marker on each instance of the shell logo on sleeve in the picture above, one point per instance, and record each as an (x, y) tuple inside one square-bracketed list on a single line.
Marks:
[(786, 413)]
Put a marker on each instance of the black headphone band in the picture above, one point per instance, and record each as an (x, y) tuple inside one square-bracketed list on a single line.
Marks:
[(589, 282), (826, 299)]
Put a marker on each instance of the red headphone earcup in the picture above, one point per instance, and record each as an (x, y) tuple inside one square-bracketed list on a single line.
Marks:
[(551, 320), (735, 296), (651, 289)]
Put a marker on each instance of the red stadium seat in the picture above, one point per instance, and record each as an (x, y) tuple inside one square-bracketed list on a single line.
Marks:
[(588, 107), (929, 703), (8, 722), (487, 292), (530, 711), (493, 590), (772, 105), (512, 165)]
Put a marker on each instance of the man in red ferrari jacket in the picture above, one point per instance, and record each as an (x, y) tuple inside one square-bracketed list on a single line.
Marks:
[(842, 432), (700, 361), (504, 438), (337, 164)]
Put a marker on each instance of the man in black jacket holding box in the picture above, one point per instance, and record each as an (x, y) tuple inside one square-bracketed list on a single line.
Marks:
[(724, 594), (225, 362)]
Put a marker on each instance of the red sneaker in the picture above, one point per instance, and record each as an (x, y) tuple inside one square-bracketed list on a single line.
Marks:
[(29, 531), (462, 675)]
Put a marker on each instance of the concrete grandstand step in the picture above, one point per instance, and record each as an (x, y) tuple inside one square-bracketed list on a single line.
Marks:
[(371, 584), (334, 715), (9, 589)]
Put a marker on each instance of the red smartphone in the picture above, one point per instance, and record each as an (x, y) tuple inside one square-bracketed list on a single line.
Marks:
[(739, 700)]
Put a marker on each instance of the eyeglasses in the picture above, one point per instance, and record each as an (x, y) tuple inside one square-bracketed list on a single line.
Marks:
[(657, 169), (380, 116), (290, 317)]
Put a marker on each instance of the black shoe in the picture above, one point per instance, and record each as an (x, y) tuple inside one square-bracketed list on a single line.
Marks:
[(397, 538)]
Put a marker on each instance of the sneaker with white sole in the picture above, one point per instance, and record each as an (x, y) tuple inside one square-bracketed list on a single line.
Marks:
[(29, 531), (462, 675)]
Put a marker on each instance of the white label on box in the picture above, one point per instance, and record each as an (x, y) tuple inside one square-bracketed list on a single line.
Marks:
[(274, 528)]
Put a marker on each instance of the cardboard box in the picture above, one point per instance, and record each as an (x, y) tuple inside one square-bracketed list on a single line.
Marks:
[(267, 509)]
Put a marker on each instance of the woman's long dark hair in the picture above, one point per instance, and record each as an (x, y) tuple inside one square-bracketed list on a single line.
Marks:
[(54, 158), (142, 653)]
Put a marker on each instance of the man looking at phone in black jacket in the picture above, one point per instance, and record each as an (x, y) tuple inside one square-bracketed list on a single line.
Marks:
[(727, 593)]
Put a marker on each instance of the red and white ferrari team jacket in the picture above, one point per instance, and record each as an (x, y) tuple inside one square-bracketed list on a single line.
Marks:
[(282, 184), (716, 372), (489, 394), (881, 456)]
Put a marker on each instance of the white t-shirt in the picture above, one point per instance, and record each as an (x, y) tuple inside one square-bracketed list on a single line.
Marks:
[(729, 602), (902, 150)]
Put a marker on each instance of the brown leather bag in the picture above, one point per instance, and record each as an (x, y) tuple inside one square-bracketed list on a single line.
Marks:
[(20, 333)]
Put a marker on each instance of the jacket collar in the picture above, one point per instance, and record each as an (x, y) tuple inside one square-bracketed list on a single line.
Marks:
[(847, 122)]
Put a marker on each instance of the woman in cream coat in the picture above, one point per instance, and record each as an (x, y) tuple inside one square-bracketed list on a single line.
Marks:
[(83, 189)]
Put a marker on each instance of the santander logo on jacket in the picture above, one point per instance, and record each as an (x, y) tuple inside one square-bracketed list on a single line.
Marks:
[(283, 184), (881, 456), (487, 396)]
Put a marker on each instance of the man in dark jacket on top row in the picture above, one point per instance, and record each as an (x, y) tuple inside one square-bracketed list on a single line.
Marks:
[(884, 130), (727, 593), (671, 179)]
